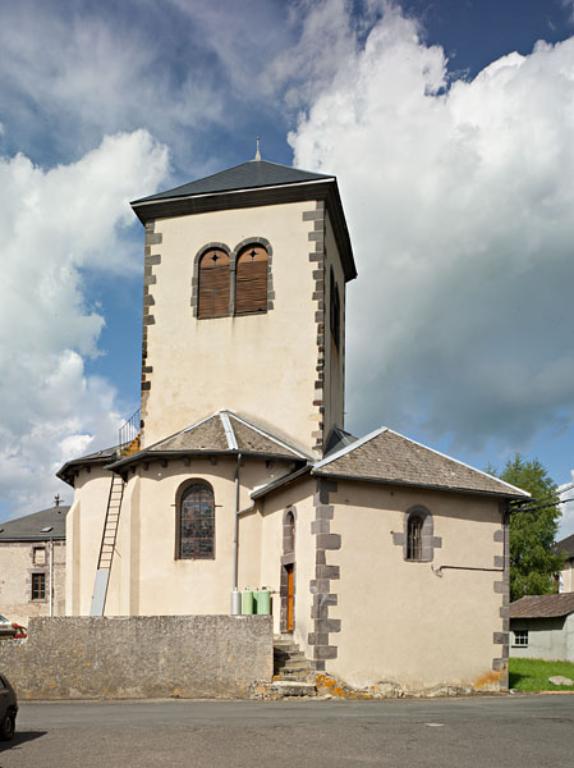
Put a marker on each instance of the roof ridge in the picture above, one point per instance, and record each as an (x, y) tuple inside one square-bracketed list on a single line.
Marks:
[(230, 435), (349, 448), (268, 435), (461, 463)]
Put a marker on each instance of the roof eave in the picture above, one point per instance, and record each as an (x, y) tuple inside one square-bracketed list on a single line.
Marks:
[(142, 456), (321, 189), (280, 483), (45, 537), (426, 486)]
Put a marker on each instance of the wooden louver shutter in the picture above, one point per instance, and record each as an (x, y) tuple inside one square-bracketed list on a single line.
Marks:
[(251, 281), (214, 282)]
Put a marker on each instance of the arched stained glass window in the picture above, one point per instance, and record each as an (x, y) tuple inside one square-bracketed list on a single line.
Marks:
[(214, 284), (251, 280), (196, 522)]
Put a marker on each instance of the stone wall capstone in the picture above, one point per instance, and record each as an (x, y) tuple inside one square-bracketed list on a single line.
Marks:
[(139, 657)]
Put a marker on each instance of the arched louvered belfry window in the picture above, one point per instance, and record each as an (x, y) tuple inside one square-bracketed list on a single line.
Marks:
[(214, 284), (251, 280), (196, 522)]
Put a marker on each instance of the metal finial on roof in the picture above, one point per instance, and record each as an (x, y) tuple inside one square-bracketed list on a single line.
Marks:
[(57, 500), (257, 149)]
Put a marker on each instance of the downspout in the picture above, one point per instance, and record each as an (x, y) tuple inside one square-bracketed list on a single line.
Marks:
[(235, 595), (51, 576)]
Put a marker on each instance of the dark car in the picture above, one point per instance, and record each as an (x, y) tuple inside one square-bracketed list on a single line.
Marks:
[(8, 710)]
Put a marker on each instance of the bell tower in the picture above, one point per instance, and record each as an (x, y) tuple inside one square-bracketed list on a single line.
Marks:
[(244, 302)]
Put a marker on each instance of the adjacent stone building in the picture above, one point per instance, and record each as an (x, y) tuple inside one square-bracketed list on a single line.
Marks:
[(542, 627), (32, 565), (388, 561)]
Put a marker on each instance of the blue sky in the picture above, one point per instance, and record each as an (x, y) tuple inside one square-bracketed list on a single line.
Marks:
[(449, 127)]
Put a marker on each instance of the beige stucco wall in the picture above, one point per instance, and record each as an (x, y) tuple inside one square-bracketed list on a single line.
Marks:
[(399, 620), (567, 577), (16, 569), (146, 578), (84, 527), (260, 365)]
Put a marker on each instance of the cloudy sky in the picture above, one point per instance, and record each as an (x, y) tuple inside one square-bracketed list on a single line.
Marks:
[(450, 125)]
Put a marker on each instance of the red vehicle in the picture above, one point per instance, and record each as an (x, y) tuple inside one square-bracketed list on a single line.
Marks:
[(12, 629)]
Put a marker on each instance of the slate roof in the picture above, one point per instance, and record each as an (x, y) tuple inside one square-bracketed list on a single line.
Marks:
[(542, 606), (566, 546), (225, 432), (29, 527), (388, 457), (251, 175), (255, 183), (103, 457)]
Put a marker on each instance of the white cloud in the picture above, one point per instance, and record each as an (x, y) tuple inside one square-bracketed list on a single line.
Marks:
[(56, 224), (72, 73), (460, 205)]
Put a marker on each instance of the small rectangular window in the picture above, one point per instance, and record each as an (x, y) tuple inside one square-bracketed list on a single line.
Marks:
[(38, 586), (520, 638), (39, 556)]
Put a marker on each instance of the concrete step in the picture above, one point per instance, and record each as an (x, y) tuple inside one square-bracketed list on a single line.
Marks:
[(294, 664), (301, 675), (293, 688)]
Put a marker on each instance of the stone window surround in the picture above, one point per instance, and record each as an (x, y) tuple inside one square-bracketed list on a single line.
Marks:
[(430, 542), (43, 599), (179, 497), (233, 255)]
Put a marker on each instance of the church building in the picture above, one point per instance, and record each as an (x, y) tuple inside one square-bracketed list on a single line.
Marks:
[(387, 561)]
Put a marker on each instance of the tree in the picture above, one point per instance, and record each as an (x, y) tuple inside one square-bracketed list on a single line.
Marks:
[(533, 561)]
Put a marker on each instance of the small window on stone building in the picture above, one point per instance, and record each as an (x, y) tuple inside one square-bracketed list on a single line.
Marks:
[(39, 556), (38, 586), (520, 638), (415, 536), (196, 523), (214, 284), (335, 310), (251, 280)]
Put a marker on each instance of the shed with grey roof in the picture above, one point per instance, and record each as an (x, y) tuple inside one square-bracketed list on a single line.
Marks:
[(542, 627)]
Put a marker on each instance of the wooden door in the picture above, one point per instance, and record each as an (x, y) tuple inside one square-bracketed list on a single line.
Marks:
[(290, 598)]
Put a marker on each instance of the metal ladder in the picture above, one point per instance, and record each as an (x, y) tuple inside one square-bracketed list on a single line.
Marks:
[(108, 546)]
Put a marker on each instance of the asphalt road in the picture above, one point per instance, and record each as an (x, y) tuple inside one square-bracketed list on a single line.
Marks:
[(535, 731)]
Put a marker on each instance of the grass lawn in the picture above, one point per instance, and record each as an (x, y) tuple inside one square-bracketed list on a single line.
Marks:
[(533, 674)]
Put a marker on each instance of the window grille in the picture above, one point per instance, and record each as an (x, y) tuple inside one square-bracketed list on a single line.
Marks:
[(415, 537)]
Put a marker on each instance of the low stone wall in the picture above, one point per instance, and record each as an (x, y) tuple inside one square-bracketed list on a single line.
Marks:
[(140, 657)]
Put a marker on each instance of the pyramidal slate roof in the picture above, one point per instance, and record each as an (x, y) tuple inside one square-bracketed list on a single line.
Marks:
[(35, 527), (542, 606), (223, 432), (388, 457), (251, 175)]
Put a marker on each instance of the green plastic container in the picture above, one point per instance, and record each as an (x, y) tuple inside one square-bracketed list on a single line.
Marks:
[(247, 602), (263, 602)]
